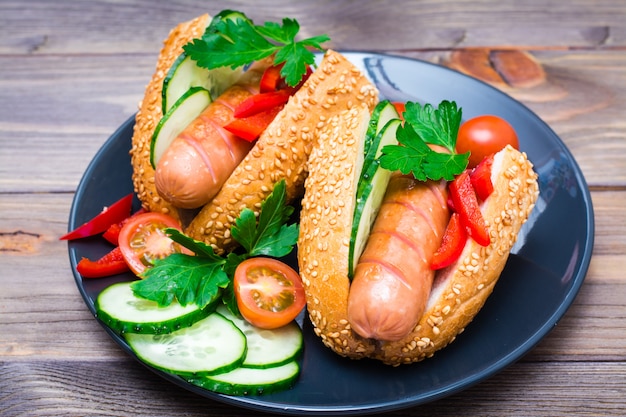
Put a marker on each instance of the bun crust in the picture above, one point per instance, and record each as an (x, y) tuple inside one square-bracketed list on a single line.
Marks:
[(459, 291), (150, 112)]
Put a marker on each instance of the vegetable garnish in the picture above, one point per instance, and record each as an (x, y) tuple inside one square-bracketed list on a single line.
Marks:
[(238, 41), (425, 125), (201, 278)]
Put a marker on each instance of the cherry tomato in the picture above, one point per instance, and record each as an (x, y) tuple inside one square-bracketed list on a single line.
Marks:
[(143, 240), (269, 292), (483, 136)]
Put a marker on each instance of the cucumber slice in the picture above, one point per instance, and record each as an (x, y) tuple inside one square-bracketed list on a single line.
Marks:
[(212, 345), (185, 73), (267, 348), (251, 381), (120, 309), (383, 112), (370, 192), (186, 109)]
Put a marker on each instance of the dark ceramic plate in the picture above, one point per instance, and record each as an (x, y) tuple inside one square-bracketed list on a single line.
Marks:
[(541, 279)]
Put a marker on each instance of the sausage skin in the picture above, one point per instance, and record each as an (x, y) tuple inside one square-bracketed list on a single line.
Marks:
[(198, 162), (392, 280)]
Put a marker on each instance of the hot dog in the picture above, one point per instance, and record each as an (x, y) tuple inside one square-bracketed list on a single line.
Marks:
[(279, 153), (393, 278), (458, 291), (197, 163)]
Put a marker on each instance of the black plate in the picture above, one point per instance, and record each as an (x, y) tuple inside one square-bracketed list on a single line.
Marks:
[(539, 283)]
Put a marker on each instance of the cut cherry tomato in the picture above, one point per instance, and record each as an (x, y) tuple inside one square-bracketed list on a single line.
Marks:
[(250, 128), (260, 102), (466, 204), (481, 178), (115, 213), (452, 244), (269, 292), (110, 264), (112, 234), (143, 240), (483, 136)]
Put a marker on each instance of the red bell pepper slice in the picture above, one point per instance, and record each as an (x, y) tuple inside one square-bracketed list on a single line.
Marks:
[(112, 234), (115, 213), (400, 108), (260, 102), (480, 177), (466, 204), (250, 128), (110, 264), (452, 244), (271, 79)]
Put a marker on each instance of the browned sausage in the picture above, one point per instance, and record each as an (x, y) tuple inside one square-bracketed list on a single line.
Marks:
[(392, 280), (198, 162)]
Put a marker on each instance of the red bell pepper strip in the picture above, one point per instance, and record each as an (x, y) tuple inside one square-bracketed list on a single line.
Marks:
[(110, 264), (112, 234), (271, 79), (250, 128), (260, 102), (466, 204), (452, 244), (115, 213), (480, 177), (400, 108)]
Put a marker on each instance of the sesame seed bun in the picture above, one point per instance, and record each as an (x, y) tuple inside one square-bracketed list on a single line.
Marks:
[(459, 291), (150, 112)]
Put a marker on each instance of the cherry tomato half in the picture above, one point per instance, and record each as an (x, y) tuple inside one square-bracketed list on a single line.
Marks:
[(143, 240), (483, 136), (269, 292)]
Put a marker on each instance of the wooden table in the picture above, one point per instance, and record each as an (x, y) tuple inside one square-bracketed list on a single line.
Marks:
[(72, 71)]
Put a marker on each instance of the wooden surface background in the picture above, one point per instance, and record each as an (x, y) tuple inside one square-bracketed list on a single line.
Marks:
[(72, 71)]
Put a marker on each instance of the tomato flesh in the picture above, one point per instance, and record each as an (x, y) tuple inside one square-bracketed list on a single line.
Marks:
[(143, 240), (269, 292), (483, 136)]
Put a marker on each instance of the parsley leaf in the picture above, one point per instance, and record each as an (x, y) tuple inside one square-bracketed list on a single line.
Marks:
[(236, 42), (205, 277), (270, 236), (190, 279), (422, 126)]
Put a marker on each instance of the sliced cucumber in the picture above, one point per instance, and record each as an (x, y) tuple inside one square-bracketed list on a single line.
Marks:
[(186, 109), (120, 309), (267, 348), (212, 345), (251, 381), (185, 73), (370, 192), (383, 112)]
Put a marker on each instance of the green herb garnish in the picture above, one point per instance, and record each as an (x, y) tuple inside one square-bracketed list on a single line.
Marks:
[(204, 277), (425, 125), (238, 41)]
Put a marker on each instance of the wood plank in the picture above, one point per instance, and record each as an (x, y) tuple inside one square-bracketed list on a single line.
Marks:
[(70, 27), (77, 388), (51, 132)]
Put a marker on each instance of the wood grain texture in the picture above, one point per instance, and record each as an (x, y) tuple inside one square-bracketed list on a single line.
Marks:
[(72, 71)]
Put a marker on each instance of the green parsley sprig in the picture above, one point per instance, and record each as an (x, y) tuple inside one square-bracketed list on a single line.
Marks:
[(203, 278), (425, 125), (237, 41)]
